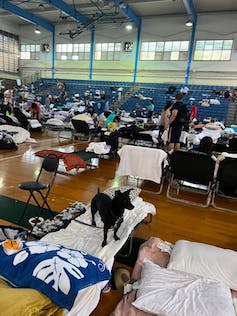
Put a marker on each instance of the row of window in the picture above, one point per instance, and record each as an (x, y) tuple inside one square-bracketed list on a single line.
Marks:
[(169, 50), (9, 52)]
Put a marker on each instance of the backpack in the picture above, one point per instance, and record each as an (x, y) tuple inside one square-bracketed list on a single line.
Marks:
[(6, 141)]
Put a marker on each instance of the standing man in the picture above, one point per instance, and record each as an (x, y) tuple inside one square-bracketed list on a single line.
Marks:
[(175, 124)]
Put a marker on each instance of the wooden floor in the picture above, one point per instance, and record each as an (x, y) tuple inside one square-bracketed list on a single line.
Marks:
[(172, 222)]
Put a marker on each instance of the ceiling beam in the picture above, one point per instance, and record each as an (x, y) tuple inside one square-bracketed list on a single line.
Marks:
[(69, 10), (190, 10), (25, 15), (127, 10)]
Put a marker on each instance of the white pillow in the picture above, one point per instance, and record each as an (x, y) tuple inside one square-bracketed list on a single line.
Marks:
[(171, 293), (205, 260)]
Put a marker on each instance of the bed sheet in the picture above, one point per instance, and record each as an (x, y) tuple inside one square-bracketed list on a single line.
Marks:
[(88, 239), (159, 256)]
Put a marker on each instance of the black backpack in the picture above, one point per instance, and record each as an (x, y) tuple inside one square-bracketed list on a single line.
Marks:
[(6, 141)]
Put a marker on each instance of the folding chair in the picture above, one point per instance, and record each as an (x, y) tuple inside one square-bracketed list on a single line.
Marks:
[(143, 163), (82, 130), (191, 171), (226, 182), (49, 167), (233, 145)]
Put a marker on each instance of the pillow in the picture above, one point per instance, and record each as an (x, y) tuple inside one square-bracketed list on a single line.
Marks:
[(59, 221), (133, 194), (54, 270), (154, 250), (170, 293), (205, 260)]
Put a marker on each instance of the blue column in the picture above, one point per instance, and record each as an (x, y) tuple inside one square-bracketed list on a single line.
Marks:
[(53, 53), (137, 52), (190, 53), (92, 52)]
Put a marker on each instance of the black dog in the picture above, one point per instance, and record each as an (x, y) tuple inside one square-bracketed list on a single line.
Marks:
[(111, 210)]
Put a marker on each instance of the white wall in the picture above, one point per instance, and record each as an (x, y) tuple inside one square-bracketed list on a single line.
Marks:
[(210, 26)]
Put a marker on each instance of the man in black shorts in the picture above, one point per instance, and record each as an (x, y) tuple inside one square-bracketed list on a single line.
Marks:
[(174, 124)]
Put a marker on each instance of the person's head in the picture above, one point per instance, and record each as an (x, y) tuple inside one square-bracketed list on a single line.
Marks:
[(179, 97), (228, 133), (206, 144), (33, 105)]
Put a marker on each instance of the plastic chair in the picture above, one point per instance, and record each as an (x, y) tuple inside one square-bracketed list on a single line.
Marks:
[(226, 182), (191, 171), (36, 188)]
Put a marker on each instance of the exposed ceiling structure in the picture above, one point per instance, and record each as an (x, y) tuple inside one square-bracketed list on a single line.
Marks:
[(87, 13)]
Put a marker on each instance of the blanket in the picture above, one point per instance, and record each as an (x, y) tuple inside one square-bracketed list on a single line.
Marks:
[(19, 134), (80, 235), (32, 301), (148, 164), (70, 160)]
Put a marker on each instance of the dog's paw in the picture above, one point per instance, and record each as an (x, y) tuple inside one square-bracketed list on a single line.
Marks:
[(116, 237), (93, 223), (104, 243)]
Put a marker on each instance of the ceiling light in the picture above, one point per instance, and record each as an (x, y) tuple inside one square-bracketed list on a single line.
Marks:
[(37, 31), (129, 27), (189, 23)]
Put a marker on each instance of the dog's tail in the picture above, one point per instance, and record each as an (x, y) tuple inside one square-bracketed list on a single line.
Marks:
[(98, 191)]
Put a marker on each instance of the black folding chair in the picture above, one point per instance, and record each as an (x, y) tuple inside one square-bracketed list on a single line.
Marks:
[(36, 188), (191, 171), (232, 145), (226, 182), (82, 130)]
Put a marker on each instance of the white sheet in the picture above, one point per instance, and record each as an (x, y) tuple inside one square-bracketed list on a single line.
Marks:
[(89, 239), (170, 293), (142, 162)]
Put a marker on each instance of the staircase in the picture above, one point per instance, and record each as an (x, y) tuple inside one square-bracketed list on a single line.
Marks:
[(231, 117), (124, 97), (48, 89)]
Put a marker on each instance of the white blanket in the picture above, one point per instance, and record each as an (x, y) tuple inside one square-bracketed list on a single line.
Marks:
[(89, 239), (21, 134), (142, 162), (98, 148)]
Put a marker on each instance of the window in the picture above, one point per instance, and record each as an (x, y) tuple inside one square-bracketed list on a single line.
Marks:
[(9, 52), (169, 50), (73, 51), (30, 51), (107, 51), (213, 50)]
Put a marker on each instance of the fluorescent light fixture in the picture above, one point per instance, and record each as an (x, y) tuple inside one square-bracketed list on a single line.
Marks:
[(37, 31), (129, 27), (189, 23)]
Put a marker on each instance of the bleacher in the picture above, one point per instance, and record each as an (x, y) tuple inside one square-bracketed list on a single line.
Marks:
[(152, 90)]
